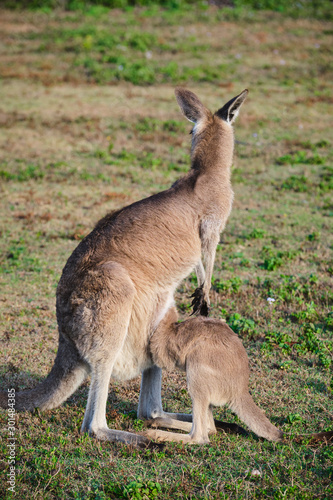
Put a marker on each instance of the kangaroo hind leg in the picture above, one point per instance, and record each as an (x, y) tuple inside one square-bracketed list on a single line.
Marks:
[(150, 404), (102, 320)]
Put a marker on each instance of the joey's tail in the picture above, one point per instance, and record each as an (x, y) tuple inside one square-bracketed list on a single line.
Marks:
[(67, 374), (255, 418)]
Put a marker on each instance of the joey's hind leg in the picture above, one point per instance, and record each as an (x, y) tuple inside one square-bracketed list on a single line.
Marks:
[(201, 421), (102, 321), (183, 422), (198, 430), (210, 421)]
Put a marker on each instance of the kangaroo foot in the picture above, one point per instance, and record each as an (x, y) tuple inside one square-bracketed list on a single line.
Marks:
[(115, 436)]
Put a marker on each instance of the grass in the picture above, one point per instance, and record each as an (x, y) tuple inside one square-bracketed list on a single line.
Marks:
[(89, 123)]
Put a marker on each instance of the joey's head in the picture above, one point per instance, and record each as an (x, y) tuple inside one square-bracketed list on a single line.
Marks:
[(212, 134)]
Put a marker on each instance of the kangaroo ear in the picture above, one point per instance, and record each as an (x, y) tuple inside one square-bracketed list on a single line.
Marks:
[(190, 105), (230, 110)]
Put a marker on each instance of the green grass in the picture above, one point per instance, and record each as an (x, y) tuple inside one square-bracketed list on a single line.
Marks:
[(319, 9), (89, 123)]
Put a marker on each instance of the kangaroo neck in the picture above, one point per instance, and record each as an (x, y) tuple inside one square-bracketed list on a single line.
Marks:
[(212, 157), (215, 170)]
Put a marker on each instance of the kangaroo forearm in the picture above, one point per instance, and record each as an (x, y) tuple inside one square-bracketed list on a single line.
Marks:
[(200, 272), (209, 259)]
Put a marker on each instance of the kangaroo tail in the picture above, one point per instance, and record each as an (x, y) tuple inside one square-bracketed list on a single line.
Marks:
[(66, 375), (312, 439), (254, 418)]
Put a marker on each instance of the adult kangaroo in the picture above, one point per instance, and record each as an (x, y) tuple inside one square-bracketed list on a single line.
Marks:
[(119, 282)]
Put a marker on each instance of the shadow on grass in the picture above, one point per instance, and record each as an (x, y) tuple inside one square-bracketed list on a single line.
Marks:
[(11, 377)]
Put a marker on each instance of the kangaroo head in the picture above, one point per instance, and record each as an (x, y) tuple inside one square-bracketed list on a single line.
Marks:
[(206, 125)]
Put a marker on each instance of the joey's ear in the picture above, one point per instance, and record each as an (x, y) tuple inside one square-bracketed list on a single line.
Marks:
[(190, 105), (230, 110)]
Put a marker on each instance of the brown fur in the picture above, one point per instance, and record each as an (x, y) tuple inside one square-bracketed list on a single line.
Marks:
[(217, 372), (120, 280)]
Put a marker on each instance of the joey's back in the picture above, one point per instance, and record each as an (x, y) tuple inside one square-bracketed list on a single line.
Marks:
[(217, 373), (200, 342)]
